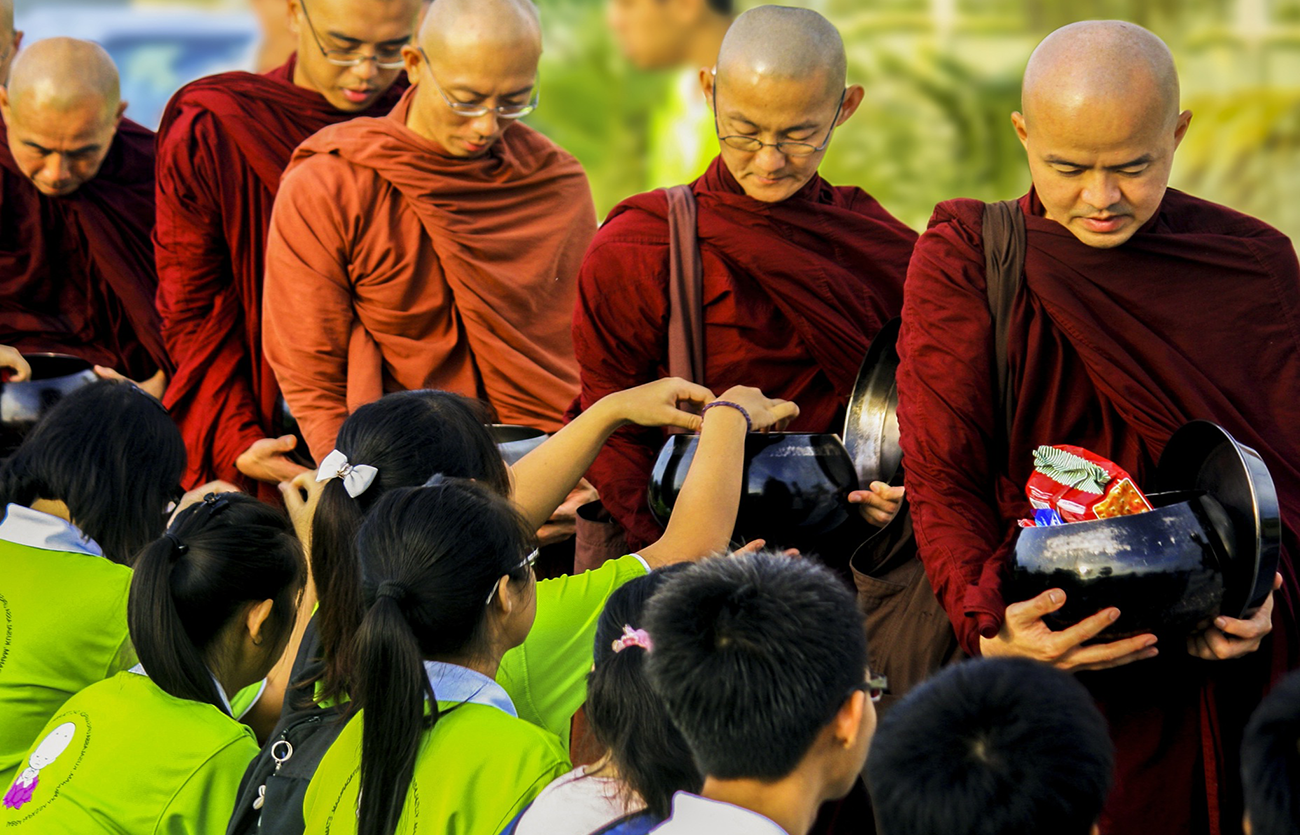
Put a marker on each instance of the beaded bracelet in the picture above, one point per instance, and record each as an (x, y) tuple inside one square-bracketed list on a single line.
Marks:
[(749, 424)]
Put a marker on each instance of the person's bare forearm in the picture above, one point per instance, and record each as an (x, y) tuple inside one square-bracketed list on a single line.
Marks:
[(545, 476)]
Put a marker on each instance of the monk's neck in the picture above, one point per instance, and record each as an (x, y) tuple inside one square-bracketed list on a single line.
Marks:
[(707, 42), (791, 803)]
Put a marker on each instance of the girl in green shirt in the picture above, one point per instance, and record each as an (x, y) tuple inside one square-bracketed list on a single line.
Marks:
[(156, 749), (452, 609)]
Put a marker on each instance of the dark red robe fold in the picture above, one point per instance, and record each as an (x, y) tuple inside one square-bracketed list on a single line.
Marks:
[(77, 272), (222, 145), (1197, 316), (793, 294)]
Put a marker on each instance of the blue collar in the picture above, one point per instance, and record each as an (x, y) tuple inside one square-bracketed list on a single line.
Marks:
[(454, 683), (24, 526)]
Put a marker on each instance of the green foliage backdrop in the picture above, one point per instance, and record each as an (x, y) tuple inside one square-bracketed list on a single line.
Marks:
[(942, 77)]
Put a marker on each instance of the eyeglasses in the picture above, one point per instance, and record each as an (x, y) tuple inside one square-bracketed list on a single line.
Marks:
[(753, 144), (385, 58), (472, 111), (527, 562), (875, 687)]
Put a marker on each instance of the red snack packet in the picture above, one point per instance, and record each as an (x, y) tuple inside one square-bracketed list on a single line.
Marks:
[(1081, 486)]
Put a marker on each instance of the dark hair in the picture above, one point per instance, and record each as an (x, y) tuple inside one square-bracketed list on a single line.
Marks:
[(753, 656), (1270, 761), (430, 557), (219, 555), (989, 747), (723, 7), (623, 712), (408, 437), (112, 454)]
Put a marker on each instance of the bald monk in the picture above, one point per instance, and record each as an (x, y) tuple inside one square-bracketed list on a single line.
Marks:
[(222, 146), (799, 275), (1141, 308), (436, 247), (76, 211), (10, 39)]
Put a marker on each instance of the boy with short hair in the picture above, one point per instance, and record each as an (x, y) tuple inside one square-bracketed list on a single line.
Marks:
[(761, 661), (1270, 762), (993, 747)]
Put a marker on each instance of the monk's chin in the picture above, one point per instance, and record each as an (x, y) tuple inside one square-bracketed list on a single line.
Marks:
[(1103, 240)]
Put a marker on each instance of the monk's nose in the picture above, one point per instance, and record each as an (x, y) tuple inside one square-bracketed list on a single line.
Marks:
[(56, 169), (485, 125), (769, 159), (1101, 190), (366, 70)]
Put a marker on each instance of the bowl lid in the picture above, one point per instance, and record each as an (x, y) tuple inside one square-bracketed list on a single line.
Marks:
[(871, 424), (1202, 455)]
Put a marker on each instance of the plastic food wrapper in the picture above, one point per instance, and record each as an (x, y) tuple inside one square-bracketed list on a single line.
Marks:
[(1071, 484)]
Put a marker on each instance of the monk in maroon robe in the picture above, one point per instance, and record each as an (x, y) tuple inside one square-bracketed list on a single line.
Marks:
[(76, 212), (222, 146), (799, 275), (1141, 308)]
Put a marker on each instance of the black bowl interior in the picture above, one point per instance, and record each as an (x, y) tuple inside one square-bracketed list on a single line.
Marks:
[(52, 366), (504, 433)]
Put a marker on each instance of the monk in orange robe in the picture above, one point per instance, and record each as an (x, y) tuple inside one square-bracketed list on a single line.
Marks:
[(76, 210), (437, 247), (1141, 308), (222, 146), (799, 275)]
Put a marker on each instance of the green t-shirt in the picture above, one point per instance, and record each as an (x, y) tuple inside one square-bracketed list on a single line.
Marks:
[(62, 628), (546, 675), (479, 766), (123, 756)]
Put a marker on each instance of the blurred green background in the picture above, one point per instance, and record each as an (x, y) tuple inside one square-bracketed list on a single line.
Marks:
[(942, 77)]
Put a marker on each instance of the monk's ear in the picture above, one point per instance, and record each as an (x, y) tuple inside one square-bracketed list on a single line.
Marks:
[(295, 16), (411, 60), (1184, 121), (852, 100), (117, 117), (1022, 130), (4, 104), (707, 77)]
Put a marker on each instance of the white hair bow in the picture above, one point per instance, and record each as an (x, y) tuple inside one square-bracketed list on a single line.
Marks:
[(357, 478)]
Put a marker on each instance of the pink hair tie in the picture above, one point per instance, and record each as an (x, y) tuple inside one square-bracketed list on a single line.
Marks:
[(632, 638)]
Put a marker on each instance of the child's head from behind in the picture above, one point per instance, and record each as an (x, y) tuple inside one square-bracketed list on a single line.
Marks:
[(1270, 762), (992, 747), (625, 715), (216, 595), (112, 455), (762, 662), (445, 575), (407, 437)]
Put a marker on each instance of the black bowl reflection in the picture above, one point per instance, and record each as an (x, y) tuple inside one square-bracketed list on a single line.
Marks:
[(1162, 569), (23, 404), (796, 485), (516, 441)]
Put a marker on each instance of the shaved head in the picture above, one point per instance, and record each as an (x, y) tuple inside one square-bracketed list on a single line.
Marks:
[(785, 43), (457, 24), (6, 16), (61, 111), (1096, 61), (1100, 122), (477, 59), (61, 75)]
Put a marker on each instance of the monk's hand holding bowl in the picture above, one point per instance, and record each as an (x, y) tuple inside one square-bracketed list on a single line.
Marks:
[(879, 504), (1025, 633), (268, 460), (12, 359), (1227, 638)]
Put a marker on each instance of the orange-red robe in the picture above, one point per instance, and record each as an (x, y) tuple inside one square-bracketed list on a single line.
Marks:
[(392, 266)]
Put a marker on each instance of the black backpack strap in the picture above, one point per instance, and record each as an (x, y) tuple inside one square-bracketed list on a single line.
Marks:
[(1005, 244)]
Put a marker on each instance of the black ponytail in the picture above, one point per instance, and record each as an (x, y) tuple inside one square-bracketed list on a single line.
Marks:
[(218, 555), (623, 712), (113, 455), (407, 436), (430, 558)]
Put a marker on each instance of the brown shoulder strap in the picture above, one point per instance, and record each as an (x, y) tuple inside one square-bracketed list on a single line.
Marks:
[(685, 288), (1004, 264)]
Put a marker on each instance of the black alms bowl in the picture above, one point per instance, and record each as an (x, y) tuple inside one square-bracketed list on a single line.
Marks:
[(796, 485), (1162, 569), (516, 441), (23, 404)]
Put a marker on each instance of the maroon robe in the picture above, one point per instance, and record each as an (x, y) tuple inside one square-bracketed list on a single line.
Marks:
[(76, 272), (793, 294), (222, 145), (1197, 316)]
